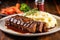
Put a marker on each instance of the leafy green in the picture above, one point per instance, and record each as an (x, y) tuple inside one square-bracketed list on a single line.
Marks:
[(24, 7)]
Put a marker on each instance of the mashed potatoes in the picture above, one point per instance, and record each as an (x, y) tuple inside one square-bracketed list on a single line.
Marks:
[(44, 17)]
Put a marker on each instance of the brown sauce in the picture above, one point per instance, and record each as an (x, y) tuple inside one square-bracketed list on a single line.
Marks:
[(17, 30)]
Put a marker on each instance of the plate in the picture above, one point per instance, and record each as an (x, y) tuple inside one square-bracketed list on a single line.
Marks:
[(3, 28)]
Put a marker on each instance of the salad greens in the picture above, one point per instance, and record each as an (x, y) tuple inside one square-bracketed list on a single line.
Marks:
[(24, 7)]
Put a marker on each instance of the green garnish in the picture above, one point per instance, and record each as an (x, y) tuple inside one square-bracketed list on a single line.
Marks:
[(24, 7), (31, 12)]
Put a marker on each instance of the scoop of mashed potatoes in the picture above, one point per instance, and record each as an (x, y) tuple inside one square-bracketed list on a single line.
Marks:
[(44, 17)]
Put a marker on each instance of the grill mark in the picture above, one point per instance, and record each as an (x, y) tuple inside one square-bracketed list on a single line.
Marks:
[(21, 22), (18, 22), (25, 24), (12, 23), (15, 20), (12, 19), (28, 24), (31, 25)]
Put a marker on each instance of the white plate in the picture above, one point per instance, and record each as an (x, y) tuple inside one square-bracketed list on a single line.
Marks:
[(3, 28)]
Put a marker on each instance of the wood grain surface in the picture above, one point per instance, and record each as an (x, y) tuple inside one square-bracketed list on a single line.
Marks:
[(51, 6)]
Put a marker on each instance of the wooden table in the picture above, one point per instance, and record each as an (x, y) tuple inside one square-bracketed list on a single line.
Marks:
[(54, 36), (50, 6)]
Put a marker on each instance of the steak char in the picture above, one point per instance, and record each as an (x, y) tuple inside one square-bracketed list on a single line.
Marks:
[(24, 23)]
